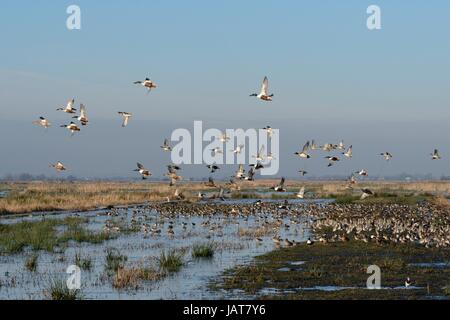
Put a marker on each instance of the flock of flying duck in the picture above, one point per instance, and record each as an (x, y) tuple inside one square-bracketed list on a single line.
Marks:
[(260, 157)]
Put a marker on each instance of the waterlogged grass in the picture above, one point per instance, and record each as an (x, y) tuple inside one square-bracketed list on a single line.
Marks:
[(83, 262), (58, 290), (130, 278), (341, 265), (114, 260), (205, 250), (43, 235), (170, 261), (31, 263)]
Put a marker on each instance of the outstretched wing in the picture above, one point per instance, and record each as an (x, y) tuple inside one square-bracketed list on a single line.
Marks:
[(83, 111), (306, 147), (265, 87), (140, 166)]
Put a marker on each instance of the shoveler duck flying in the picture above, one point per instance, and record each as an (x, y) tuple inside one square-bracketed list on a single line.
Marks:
[(264, 93), (366, 193), (304, 153), (260, 154), (332, 160), (362, 172), (42, 122), (224, 138), (72, 127), (126, 117), (83, 117), (238, 149), (58, 166), (166, 146), (240, 172), (280, 187), (212, 167), (143, 172), (269, 131), (435, 155), (301, 193), (387, 156), (147, 83), (349, 152), (69, 107)]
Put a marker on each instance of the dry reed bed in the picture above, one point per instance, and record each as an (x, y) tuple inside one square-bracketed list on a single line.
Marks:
[(56, 196)]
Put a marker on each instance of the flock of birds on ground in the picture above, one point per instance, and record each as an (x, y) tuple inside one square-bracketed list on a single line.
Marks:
[(426, 224), (241, 174)]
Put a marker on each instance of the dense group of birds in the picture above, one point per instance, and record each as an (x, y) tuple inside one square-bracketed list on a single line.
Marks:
[(336, 151)]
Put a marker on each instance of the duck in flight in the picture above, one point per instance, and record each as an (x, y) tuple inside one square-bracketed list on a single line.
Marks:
[(366, 193), (332, 160), (301, 193), (215, 151), (147, 83), (83, 117), (69, 107), (58, 166), (349, 152), (238, 149), (42, 122), (303, 172), (224, 138), (260, 154), (362, 172), (172, 174), (387, 156), (166, 146), (126, 117), (304, 153), (142, 171), (280, 187), (264, 93), (213, 168), (435, 155), (72, 127), (269, 131), (240, 172)]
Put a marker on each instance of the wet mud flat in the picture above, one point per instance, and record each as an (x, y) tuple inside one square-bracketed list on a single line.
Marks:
[(403, 241)]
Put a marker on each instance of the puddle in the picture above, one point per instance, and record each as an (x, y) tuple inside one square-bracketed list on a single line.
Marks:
[(4, 193), (297, 263), (439, 265), (192, 280)]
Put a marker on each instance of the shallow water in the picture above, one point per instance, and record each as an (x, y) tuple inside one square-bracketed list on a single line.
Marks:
[(191, 282)]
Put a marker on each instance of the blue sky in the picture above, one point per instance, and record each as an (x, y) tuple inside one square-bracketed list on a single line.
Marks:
[(333, 79)]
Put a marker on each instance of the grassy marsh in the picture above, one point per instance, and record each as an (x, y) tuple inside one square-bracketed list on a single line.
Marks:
[(43, 235), (341, 265)]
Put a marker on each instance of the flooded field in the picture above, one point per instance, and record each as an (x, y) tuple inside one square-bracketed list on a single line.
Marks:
[(238, 231)]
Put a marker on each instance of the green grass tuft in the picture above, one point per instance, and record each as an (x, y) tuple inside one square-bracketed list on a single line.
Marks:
[(170, 261), (205, 250)]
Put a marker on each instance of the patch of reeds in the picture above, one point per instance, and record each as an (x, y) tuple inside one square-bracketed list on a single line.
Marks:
[(58, 290), (204, 250), (114, 260), (31, 263), (170, 261)]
